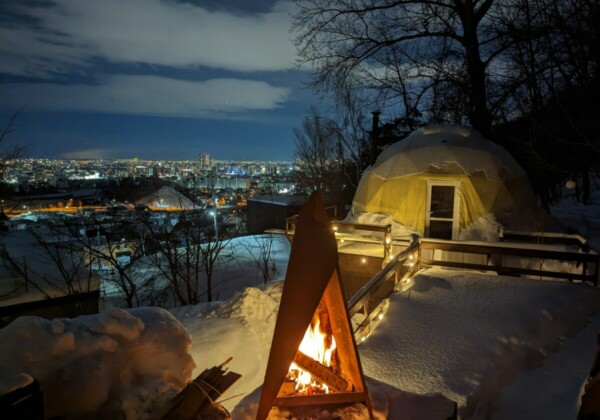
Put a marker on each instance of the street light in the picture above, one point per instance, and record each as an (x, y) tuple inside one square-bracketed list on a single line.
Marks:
[(214, 215)]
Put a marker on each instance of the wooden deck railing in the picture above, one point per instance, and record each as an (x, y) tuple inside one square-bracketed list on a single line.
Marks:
[(581, 265), (342, 227), (548, 238), (371, 299)]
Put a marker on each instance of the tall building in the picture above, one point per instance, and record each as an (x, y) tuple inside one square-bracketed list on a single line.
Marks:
[(205, 161)]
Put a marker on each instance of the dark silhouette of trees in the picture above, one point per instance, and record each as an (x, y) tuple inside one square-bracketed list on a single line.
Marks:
[(418, 54), (522, 69), (318, 151), (552, 114), (188, 255), (12, 151), (114, 247)]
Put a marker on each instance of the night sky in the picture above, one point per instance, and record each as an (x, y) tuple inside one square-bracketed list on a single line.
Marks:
[(151, 79)]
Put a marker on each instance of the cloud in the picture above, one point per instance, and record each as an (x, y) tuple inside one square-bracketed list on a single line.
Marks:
[(151, 95), (70, 33)]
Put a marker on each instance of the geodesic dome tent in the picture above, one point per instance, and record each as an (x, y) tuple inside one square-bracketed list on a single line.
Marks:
[(441, 179)]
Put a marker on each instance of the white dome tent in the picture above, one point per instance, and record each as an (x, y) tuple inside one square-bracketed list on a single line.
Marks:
[(447, 182)]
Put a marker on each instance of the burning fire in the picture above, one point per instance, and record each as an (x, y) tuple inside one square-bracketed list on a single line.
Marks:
[(318, 345)]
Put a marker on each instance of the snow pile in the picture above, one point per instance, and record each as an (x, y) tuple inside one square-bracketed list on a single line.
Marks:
[(466, 335), (485, 228), (241, 328), (399, 231), (114, 364), (251, 304), (555, 385)]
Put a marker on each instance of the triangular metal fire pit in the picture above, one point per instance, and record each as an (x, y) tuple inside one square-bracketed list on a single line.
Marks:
[(313, 290)]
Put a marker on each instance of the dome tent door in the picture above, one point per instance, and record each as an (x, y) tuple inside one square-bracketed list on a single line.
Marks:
[(442, 209)]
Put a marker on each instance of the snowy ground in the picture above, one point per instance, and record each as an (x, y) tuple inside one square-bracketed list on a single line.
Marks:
[(235, 269), (466, 335), (501, 347), (578, 218)]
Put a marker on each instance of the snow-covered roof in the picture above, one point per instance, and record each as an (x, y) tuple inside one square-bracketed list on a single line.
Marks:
[(45, 275), (279, 200), (443, 149), (167, 197)]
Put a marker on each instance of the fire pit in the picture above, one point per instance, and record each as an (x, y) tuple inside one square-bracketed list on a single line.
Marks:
[(313, 358)]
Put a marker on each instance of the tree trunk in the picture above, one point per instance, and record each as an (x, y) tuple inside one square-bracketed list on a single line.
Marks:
[(209, 285), (585, 176), (479, 114)]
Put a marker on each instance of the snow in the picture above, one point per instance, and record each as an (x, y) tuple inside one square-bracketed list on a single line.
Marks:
[(583, 219), (14, 382), (466, 335), (481, 331), (235, 269), (557, 381), (399, 231), (501, 347), (116, 363), (443, 146), (485, 228), (242, 328), (45, 276)]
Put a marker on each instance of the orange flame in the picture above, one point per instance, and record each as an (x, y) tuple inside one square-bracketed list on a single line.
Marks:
[(320, 346)]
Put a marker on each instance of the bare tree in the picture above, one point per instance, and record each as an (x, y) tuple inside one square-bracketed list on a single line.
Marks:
[(262, 254), (354, 149), (59, 269), (552, 65), (188, 255), (13, 151), (318, 149), (213, 257), (414, 54), (176, 256), (115, 247)]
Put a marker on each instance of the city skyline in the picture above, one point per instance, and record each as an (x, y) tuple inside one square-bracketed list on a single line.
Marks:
[(103, 80)]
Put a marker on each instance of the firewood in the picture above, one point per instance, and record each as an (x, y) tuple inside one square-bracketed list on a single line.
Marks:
[(287, 388), (320, 371), (197, 399)]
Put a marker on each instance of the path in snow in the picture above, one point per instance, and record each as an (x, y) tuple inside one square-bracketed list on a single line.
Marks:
[(553, 390)]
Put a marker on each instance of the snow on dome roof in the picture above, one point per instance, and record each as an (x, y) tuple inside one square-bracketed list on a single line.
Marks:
[(442, 148)]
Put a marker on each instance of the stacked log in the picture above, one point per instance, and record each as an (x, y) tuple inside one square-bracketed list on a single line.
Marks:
[(198, 399)]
